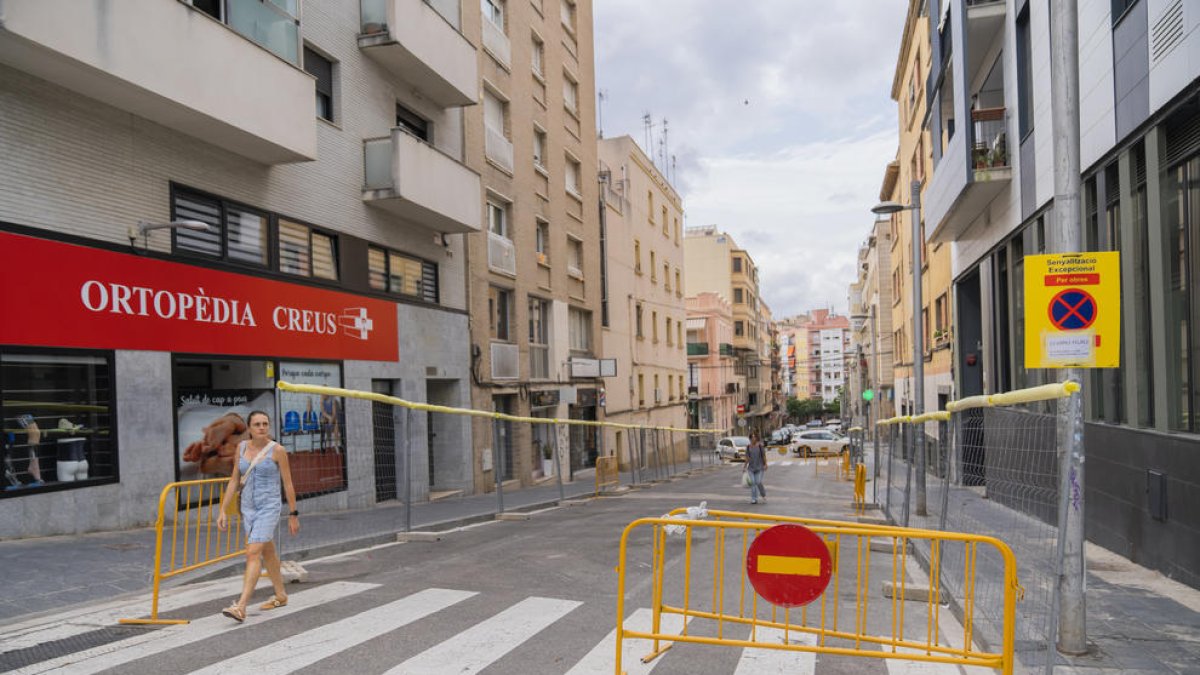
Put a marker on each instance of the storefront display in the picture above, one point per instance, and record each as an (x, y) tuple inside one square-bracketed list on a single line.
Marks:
[(313, 429), (57, 421)]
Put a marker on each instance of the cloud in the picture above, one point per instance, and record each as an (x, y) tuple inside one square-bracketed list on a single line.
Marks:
[(780, 123)]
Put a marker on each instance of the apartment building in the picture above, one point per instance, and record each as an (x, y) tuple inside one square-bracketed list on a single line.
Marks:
[(730, 272), (197, 206), (714, 389), (991, 197), (871, 361), (643, 328), (912, 167), (535, 275)]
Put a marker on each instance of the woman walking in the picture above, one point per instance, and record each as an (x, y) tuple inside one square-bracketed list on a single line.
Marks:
[(756, 465), (261, 465)]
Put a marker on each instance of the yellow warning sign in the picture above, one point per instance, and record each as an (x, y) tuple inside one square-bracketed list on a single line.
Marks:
[(1073, 310)]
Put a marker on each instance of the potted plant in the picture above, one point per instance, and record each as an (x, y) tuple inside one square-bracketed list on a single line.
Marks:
[(980, 155), (547, 459)]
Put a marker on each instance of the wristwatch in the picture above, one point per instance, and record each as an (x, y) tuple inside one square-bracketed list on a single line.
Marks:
[(294, 513)]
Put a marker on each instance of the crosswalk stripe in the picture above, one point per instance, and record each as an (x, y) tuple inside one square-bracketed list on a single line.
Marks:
[(165, 639), (77, 622), (600, 660), (475, 648), (768, 661), (304, 649)]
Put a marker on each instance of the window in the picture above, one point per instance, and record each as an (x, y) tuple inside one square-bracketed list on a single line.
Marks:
[(1024, 75), (570, 94), (394, 272), (676, 231), (306, 252), (539, 338), (678, 285), (638, 321), (54, 388), (650, 206), (653, 269), (539, 149), (667, 277), (641, 389), (637, 256), (737, 264), (679, 334), (666, 225), (574, 257), (654, 326), (413, 123), (322, 69), (1119, 7), (235, 233), (567, 14), (542, 240), (671, 387), (739, 328), (1181, 235), (738, 296), (573, 178), (499, 313), (497, 215), (579, 324), (493, 10), (539, 57)]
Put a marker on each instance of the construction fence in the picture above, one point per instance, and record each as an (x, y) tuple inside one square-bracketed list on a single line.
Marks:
[(986, 465)]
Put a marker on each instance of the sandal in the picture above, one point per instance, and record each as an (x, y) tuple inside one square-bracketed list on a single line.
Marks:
[(234, 612), (274, 603)]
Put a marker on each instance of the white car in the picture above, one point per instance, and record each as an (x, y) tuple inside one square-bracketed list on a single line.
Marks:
[(819, 443), (733, 448)]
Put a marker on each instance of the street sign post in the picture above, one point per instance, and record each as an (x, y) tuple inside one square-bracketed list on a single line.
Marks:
[(1073, 310), (788, 565)]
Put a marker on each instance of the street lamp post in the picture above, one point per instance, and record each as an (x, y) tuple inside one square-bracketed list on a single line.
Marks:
[(918, 368)]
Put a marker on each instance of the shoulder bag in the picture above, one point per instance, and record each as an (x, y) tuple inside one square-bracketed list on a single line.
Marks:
[(233, 506)]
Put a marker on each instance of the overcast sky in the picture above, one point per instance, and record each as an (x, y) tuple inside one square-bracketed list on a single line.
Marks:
[(780, 118)]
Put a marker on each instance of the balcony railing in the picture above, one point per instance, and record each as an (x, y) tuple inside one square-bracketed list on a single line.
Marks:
[(498, 148), (502, 254), (991, 141), (496, 42), (505, 361), (539, 362), (697, 349)]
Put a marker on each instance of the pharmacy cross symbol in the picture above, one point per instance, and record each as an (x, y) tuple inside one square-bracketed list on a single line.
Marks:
[(1073, 309)]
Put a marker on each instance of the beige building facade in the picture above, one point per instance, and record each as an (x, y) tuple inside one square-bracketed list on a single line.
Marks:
[(534, 274), (714, 389), (644, 330), (872, 361)]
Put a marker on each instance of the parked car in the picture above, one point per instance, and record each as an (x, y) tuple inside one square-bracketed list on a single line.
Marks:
[(780, 438), (733, 448), (814, 424), (819, 443)]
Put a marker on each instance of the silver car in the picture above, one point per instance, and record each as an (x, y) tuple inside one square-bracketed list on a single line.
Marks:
[(733, 448)]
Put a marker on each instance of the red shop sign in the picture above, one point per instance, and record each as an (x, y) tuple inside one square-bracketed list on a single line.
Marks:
[(63, 295)]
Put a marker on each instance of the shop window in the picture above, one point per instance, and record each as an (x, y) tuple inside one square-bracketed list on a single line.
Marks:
[(400, 274), (304, 251), (57, 416), (235, 233)]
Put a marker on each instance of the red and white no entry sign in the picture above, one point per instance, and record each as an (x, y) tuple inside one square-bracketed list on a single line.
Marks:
[(788, 565)]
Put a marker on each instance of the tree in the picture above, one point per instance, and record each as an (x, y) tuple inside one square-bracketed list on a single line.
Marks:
[(803, 410)]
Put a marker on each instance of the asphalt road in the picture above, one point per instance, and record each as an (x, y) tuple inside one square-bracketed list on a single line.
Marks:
[(505, 597)]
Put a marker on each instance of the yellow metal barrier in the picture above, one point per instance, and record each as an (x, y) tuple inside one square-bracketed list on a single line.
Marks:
[(607, 473), (860, 488), (195, 539), (724, 610)]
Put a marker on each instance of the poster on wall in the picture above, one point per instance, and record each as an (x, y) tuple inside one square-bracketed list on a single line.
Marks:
[(211, 423), (312, 428)]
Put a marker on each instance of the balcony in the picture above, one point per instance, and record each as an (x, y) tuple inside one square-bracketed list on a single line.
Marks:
[(419, 42), (154, 59), (498, 148), (962, 186), (697, 349), (496, 43), (416, 181), (502, 254)]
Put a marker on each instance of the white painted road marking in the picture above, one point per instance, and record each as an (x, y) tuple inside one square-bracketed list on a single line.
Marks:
[(769, 661), (601, 659)]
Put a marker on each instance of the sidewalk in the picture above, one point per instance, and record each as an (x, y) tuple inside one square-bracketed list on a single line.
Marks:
[(53, 573)]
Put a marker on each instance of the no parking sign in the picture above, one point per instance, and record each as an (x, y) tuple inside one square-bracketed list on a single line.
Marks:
[(1073, 310)]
